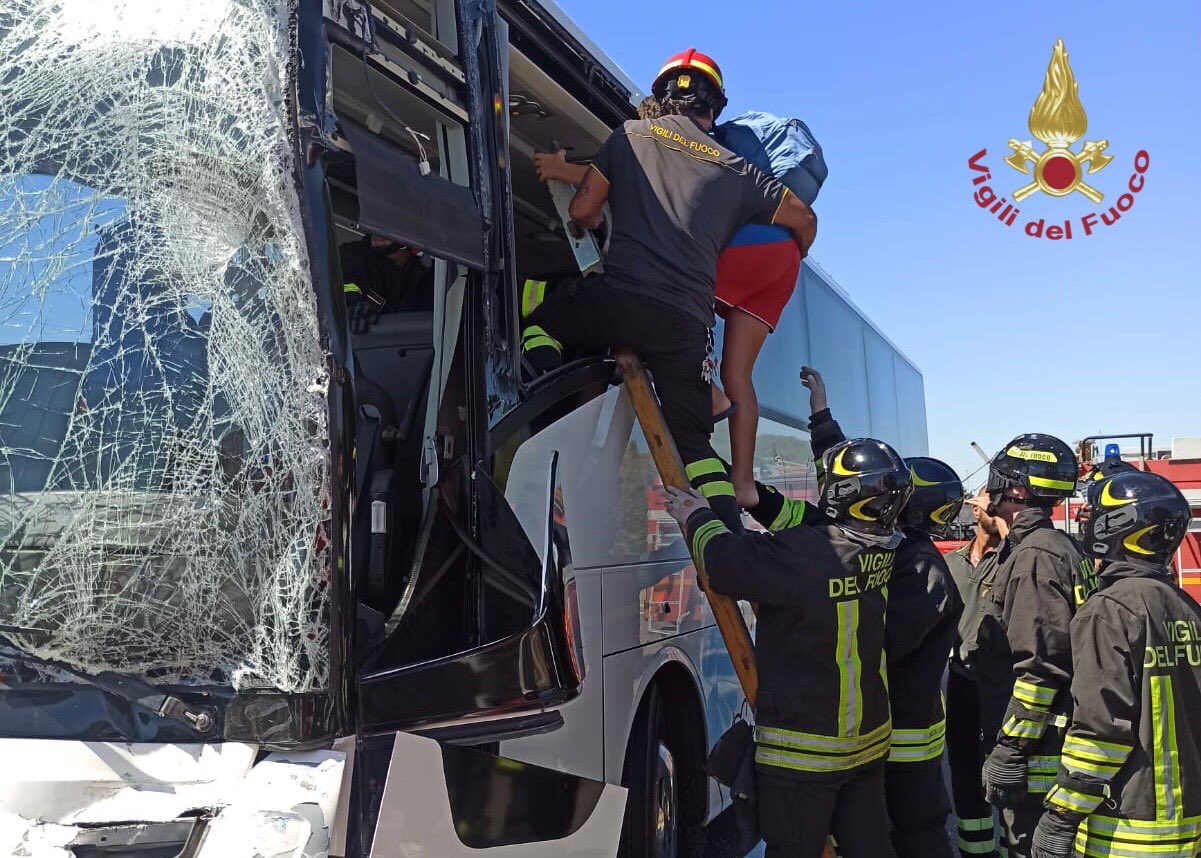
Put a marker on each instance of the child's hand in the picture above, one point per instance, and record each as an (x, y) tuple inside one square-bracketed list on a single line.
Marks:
[(812, 379)]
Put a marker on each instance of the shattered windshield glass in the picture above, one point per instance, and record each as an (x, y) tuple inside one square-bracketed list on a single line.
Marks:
[(163, 463)]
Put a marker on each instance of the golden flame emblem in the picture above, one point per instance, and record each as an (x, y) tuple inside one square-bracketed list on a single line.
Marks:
[(1058, 120)]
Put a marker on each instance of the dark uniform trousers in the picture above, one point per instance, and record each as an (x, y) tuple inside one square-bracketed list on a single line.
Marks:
[(797, 813), (593, 314), (966, 754), (918, 808)]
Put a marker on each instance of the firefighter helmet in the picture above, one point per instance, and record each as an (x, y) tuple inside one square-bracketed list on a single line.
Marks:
[(1043, 464), (937, 496), (864, 486), (1136, 515), (691, 76)]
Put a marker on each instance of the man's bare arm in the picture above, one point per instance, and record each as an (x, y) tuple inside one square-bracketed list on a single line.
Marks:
[(556, 167), (589, 201), (795, 214)]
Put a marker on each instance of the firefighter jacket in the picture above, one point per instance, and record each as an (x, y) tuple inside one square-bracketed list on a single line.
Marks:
[(1025, 666), (922, 616), (923, 609), (822, 706), (1131, 764)]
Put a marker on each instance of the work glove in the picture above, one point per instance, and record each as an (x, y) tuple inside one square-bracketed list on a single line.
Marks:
[(1054, 837), (681, 504), (1005, 777)]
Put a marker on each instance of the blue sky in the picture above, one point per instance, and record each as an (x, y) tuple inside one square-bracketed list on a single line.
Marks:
[(1013, 334)]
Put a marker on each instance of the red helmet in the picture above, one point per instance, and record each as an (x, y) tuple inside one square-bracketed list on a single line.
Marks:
[(674, 76)]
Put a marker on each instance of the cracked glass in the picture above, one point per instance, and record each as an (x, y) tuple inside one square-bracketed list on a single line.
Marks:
[(164, 480)]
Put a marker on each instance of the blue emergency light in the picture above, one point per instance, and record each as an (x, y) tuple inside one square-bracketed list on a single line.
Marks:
[(1112, 451)]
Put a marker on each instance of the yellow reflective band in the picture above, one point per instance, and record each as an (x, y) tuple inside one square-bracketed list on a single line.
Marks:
[(1107, 499), (1031, 455), (1043, 763), (1101, 836), (839, 468), (717, 488), (1071, 800), (1044, 483), (984, 847), (1023, 729), (1105, 771), (942, 514), (1095, 749), (352, 288), (706, 67), (982, 823), (857, 510), (812, 763), (791, 514), (915, 746), (1130, 543), (818, 744), (532, 295), (850, 670), (1169, 801), (704, 467), (1033, 696), (541, 342), (700, 539)]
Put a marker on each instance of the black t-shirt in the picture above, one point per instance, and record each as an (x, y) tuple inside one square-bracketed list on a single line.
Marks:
[(393, 288), (677, 198)]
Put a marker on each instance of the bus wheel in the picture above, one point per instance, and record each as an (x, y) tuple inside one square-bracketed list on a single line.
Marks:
[(657, 823)]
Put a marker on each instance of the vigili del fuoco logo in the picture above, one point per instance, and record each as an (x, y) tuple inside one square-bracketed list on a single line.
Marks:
[(1058, 120)]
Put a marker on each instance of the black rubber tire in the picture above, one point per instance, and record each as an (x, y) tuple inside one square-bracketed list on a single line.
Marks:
[(642, 777)]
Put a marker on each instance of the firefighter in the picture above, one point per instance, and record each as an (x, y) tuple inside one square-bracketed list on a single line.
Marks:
[(1024, 633), (923, 612), (1129, 780), (385, 276), (973, 568), (822, 720), (677, 197)]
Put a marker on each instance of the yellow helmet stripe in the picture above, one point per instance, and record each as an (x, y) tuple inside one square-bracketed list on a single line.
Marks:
[(1032, 455), (705, 67), (1131, 542), (939, 516), (918, 481), (1044, 483), (1107, 499), (839, 468), (857, 510)]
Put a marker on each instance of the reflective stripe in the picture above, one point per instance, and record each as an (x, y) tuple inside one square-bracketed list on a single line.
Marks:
[(535, 336), (984, 847), (850, 669), (1043, 482), (1166, 758), (532, 295), (790, 515), (1034, 696), (912, 746), (717, 488), (1070, 799), (704, 467), (1041, 772), (1096, 750), (1101, 836), (700, 539), (352, 288), (816, 742), (1105, 771), (982, 823), (1022, 728)]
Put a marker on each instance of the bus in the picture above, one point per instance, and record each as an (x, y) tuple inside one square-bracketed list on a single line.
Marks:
[(289, 574)]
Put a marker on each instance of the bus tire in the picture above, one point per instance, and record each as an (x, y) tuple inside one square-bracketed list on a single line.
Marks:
[(665, 782)]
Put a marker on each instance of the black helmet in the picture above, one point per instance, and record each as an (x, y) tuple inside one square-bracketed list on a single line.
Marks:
[(864, 486), (937, 496), (1042, 463), (1136, 515), (1107, 468)]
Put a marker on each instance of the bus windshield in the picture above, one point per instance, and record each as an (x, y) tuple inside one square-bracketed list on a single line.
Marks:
[(163, 446)]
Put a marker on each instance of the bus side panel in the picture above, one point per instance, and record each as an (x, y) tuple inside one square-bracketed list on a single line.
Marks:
[(628, 674), (651, 602), (578, 747)]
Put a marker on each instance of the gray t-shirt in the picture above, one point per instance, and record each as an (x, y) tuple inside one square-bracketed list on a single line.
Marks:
[(677, 198)]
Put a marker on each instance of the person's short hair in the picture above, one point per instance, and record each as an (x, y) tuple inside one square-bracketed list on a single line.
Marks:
[(677, 107)]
